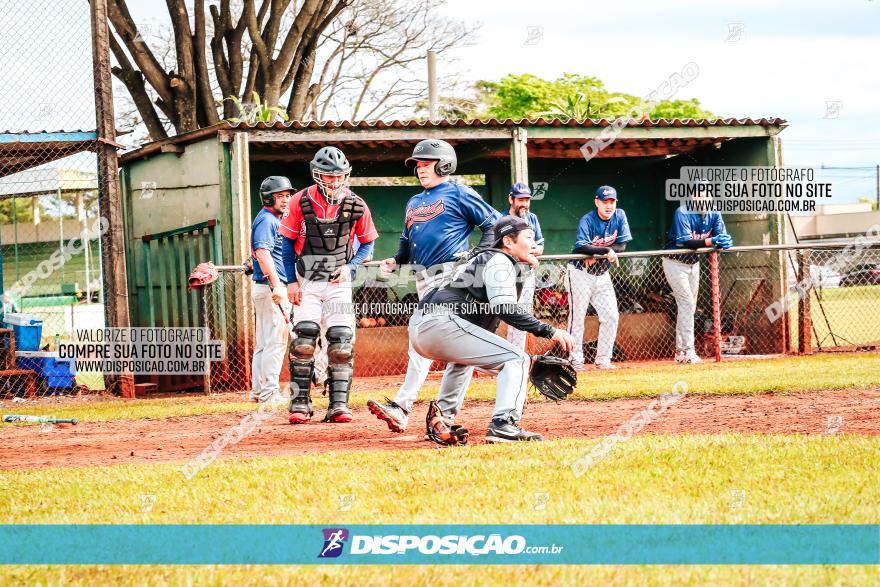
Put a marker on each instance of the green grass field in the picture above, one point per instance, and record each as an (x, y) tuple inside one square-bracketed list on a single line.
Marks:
[(782, 375), (672, 479), (30, 255), (842, 316), (652, 479)]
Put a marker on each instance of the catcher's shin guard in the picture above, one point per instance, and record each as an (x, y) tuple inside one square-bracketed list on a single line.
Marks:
[(302, 359), (438, 430), (339, 372)]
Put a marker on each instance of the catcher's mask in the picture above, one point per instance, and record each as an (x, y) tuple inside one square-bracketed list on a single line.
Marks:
[(331, 170)]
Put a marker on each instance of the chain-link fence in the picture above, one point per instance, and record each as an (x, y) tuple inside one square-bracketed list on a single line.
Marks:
[(753, 307), (840, 311), (50, 226)]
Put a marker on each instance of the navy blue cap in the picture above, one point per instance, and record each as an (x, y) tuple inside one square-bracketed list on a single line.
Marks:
[(606, 192), (520, 190)]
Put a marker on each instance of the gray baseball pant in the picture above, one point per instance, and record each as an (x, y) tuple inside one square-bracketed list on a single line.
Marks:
[(418, 366), (443, 336), (518, 338), (585, 289), (684, 279)]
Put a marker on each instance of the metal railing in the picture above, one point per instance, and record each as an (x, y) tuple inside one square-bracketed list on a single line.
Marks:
[(751, 300)]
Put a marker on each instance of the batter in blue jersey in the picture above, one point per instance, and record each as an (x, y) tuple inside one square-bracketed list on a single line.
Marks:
[(602, 232), (439, 221), (690, 230), (436, 228)]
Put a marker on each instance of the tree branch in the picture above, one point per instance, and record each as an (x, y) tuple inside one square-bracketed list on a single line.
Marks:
[(203, 84), (134, 83), (146, 62)]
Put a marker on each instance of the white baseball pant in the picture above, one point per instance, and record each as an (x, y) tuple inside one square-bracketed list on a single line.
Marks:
[(585, 289), (684, 279), (418, 366), (271, 342), (443, 336), (327, 304), (516, 337), (321, 360)]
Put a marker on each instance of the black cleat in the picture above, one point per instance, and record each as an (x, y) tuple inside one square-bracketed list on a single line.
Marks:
[(509, 431)]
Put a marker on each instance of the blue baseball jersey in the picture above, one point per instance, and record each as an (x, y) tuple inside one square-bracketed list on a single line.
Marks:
[(536, 226), (439, 221), (265, 235), (692, 226), (592, 230)]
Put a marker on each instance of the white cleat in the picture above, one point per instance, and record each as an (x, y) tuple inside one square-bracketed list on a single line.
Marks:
[(687, 359), (606, 366)]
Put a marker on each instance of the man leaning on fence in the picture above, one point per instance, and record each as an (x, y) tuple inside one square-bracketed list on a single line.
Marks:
[(269, 293), (690, 230), (605, 231), (520, 199)]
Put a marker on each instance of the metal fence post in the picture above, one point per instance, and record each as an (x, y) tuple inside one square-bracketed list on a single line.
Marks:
[(805, 319), (203, 306), (716, 304)]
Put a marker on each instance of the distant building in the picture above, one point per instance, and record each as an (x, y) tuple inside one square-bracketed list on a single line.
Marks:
[(833, 222)]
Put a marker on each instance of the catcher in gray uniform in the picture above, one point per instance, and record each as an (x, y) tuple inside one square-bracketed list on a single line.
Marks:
[(456, 323)]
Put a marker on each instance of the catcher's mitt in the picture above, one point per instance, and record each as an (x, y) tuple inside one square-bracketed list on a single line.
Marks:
[(440, 432), (553, 376)]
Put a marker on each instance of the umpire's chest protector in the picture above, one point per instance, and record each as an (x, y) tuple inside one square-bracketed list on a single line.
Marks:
[(327, 243)]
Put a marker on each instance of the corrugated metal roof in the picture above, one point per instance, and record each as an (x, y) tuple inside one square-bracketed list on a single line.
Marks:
[(494, 122), (190, 137), (20, 151), (37, 133)]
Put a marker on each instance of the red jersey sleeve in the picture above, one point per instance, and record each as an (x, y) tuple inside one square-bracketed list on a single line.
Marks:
[(364, 229), (291, 225)]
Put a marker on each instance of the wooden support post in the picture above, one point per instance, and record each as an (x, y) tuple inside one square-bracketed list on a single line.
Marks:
[(113, 241), (519, 159)]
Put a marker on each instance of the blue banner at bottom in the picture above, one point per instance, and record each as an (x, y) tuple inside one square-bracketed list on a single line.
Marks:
[(440, 544)]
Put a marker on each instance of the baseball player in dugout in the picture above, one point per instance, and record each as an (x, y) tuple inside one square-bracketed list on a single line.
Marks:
[(690, 230), (520, 199), (268, 293), (437, 225), (318, 236), (457, 322), (604, 231)]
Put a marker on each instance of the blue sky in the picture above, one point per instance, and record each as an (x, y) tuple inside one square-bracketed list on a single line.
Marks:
[(789, 60)]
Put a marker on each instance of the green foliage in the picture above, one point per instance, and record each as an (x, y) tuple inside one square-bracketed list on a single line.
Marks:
[(680, 109), (868, 200), (570, 96), (256, 112), (23, 211)]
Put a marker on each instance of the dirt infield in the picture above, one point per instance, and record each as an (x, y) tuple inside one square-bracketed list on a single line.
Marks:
[(182, 438)]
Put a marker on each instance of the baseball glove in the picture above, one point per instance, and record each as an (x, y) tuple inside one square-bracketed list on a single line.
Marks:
[(202, 275), (553, 377), (440, 432)]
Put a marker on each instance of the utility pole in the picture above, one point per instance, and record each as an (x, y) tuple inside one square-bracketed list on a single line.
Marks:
[(114, 276), (432, 86)]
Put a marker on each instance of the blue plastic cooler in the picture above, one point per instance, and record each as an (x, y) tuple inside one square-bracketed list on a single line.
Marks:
[(28, 329), (58, 374)]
